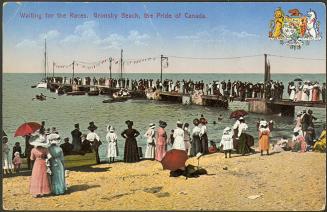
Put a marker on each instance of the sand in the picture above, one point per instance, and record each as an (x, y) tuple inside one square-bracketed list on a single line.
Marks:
[(281, 181)]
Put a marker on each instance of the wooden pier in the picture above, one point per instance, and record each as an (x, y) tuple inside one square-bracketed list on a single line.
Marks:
[(255, 105)]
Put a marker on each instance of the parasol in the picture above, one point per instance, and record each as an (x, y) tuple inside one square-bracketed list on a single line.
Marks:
[(174, 159), (27, 128), (238, 113)]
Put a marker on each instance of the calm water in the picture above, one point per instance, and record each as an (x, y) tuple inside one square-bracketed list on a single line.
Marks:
[(64, 111)]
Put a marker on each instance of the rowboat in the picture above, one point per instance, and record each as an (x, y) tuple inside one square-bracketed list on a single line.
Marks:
[(75, 93)]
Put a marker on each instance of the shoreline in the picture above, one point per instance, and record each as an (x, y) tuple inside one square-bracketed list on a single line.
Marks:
[(282, 181)]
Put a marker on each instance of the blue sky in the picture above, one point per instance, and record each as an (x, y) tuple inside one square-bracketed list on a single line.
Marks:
[(230, 29)]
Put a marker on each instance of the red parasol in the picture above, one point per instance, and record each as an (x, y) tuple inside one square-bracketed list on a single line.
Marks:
[(27, 128), (174, 159), (238, 113)]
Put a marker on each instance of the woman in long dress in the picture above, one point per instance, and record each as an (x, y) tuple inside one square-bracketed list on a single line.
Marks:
[(315, 93), (131, 150), (264, 133), (243, 148), (298, 95), (39, 184), (187, 139), (292, 94), (112, 150), (196, 141), (305, 92), (150, 142), (179, 137), (58, 183), (7, 165), (161, 141), (204, 136)]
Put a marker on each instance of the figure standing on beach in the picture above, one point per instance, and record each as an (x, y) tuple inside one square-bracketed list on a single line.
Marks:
[(240, 127), (187, 138), (58, 183), (94, 139), (40, 184), (17, 161), (204, 136), (179, 137), (227, 141), (161, 141), (196, 141), (16, 148), (150, 142), (264, 133), (6, 159), (131, 150), (112, 150), (76, 136)]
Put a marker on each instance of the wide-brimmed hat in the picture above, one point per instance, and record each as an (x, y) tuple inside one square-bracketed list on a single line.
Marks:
[(129, 123), (54, 138), (196, 121), (111, 129), (152, 125), (179, 122), (16, 154), (227, 130), (92, 126), (162, 124), (241, 118), (38, 140)]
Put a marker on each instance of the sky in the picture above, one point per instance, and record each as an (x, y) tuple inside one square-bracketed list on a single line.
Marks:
[(227, 30)]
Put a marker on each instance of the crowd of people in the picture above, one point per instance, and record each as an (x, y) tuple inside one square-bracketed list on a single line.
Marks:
[(306, 91), (45, 148)]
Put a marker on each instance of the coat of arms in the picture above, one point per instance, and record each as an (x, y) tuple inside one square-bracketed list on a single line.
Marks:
[(294, 29)]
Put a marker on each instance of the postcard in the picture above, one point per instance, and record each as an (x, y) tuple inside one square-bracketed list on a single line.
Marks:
[(164, 106)]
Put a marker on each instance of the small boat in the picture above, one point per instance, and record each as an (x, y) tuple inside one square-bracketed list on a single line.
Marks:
[(42, 85), (121, 95), (94, 91), (108, 100), (75, 93)]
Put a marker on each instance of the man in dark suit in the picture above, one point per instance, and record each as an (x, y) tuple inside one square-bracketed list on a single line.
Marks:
[(66, 147), (76, 136)]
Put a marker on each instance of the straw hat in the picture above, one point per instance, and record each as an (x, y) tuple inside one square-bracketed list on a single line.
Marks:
[(227, 130), (54, 138), (38, 140), (152, 125)]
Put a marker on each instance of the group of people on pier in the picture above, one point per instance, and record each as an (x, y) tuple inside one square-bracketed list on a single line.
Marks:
[(306, 91), (297, 91)]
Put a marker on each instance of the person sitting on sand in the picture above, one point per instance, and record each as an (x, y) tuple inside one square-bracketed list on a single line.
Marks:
[(66, 147), (227, 141), (320, 144), (299, 144), (212, 148)]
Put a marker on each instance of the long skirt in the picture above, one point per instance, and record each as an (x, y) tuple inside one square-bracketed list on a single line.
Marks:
[(196, 145), (131, 151), (264, 143), (160, 152), (243, 147), (58, 183), (39, 180), (149, 151), (204, 143)]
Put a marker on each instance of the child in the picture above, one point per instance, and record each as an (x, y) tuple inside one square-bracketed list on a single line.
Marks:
[(17, 148), (112, 150), (17, 161), (227, 141)]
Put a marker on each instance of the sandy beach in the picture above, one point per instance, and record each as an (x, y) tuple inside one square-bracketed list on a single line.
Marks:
[(281, 181)]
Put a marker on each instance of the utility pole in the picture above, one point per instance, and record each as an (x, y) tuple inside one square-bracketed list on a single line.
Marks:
[(266, 69), (121, 64), (53, 65), (73, 72), (110, 60), (162, 58)]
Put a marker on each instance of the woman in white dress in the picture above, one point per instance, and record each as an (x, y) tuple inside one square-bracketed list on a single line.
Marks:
[(179, 137), (6, 157), (150, 142), (305, 92), (292, 88), (227, 141), (112, 150)]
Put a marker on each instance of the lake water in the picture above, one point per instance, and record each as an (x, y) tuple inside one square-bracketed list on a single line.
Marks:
[(64, 111)]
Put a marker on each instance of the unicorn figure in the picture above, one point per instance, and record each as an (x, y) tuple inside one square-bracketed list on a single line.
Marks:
[(312, 24)]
